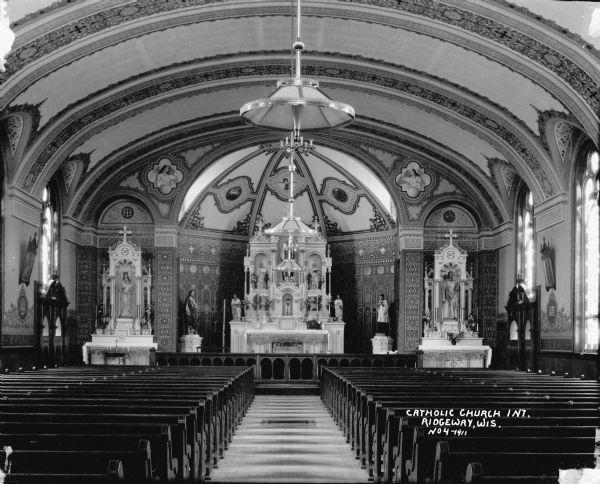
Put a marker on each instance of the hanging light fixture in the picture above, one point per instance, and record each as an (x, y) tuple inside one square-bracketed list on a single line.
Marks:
[(297, 104)]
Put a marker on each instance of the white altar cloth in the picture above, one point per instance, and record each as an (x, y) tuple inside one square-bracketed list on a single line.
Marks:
[(287, 341), (110, 349), (465, 354)]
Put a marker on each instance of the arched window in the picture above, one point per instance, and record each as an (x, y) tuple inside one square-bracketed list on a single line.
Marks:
[(526, 241), (587, 245), (50, 235)]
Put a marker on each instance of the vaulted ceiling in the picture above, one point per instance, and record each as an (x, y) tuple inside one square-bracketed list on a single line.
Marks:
[(476, 95)]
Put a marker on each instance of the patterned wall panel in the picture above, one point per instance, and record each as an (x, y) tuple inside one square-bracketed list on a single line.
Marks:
[(214, 267), (412, 292), (86, 291), (362, 270), (488, 298), (165, 314)]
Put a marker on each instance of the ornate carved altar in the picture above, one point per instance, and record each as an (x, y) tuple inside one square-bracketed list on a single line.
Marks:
[(287, 293), (126, 324), (450, 332)]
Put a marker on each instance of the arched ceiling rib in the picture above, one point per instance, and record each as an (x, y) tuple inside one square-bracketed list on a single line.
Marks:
[(110, 81)]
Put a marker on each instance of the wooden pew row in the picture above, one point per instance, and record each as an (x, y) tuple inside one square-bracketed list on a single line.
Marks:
[(434, 406), (247, 400), (232, 399), (348, 412)]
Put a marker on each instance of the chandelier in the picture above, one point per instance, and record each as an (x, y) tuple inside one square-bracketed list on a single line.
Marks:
[(297, 103)]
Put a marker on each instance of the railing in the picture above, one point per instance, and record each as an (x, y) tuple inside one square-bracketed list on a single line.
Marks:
[(286, 367)]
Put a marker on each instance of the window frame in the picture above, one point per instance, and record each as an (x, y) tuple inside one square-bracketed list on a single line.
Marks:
[(584, 174)]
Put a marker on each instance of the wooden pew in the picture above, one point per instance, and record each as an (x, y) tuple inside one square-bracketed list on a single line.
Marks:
[(229, 392), (366, 405)]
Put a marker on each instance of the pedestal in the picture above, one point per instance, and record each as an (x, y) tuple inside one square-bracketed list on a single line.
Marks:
[(381, 344), (335, 342), (190, 343)]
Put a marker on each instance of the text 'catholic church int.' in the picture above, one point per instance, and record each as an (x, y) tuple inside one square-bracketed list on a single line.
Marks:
[(301, 218)]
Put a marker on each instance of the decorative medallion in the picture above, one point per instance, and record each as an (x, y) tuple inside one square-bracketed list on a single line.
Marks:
[(449, 216), (22, 304), (165, 176), (413, 180), (127, 212), (233, 193), (341, 195)]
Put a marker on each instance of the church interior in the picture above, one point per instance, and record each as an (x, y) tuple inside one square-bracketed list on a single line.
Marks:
[(345, 192)]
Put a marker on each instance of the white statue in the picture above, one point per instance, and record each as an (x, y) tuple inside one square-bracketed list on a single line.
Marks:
[(126, 293), (236, 308), (338, 305), (450, 294)]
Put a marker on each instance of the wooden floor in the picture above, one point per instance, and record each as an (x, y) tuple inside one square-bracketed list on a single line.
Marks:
[(288, 438)]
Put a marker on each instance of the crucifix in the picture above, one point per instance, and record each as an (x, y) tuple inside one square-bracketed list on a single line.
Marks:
[(450, 235), (124, 233)]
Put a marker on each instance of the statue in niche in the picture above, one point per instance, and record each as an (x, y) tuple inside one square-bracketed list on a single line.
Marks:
[(262, 276), (338, 305), (315, 277), (287, 305), (450, 294), (126, 294)]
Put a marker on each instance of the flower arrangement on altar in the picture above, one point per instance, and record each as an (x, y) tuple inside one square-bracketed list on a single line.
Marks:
[(455, 337), (254, 280)]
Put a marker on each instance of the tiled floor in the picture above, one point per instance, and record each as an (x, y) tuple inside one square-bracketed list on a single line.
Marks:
[(288, 439)]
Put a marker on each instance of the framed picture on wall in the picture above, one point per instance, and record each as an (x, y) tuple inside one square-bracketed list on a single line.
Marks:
[(548, 260), (27, 267)]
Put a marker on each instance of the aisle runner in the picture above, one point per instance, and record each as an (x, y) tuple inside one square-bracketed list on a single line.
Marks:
[(288, 439)]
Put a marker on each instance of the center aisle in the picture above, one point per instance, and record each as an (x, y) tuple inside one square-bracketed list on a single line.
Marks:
[(288, 438)]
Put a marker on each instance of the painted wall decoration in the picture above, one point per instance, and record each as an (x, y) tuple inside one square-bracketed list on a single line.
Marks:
[(232, 193), (165, 176), (126, 213), (413, 180), (341, 195), (279, 183)]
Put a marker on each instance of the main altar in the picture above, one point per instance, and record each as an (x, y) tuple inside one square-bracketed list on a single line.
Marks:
[(123, 334), (287, 293), (450, 328)]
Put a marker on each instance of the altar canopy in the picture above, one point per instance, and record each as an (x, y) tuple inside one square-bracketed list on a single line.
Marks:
[(287, 294)]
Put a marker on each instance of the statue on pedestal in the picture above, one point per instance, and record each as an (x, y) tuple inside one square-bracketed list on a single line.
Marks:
[(236, 308), (338, 305), (383, 318), (191, 312)]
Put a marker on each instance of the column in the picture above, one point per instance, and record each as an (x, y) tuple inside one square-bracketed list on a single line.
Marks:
[(166, 284)]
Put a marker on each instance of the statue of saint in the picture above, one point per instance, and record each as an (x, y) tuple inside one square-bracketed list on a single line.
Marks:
[(383, 318), (191, 312), (262, 276), (315, 277), (126, 294), (236, 308), (338, 306), (450, 294)]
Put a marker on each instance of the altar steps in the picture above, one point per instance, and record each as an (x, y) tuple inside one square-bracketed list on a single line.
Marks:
[(288, 439), (287, 388)]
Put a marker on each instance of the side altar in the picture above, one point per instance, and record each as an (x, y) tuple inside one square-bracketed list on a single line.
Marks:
[(450, 329), (123, 333), (287, 293)]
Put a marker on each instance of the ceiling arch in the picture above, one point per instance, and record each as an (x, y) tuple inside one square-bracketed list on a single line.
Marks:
[(467, 86)]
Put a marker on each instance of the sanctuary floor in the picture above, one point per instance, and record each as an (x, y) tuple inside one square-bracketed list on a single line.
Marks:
[(288, 438)]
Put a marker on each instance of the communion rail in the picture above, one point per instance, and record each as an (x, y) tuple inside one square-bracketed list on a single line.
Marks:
[(286, 367)]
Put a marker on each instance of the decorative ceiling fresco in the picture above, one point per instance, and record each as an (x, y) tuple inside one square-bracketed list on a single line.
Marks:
[(456, 102), (259, 185)]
